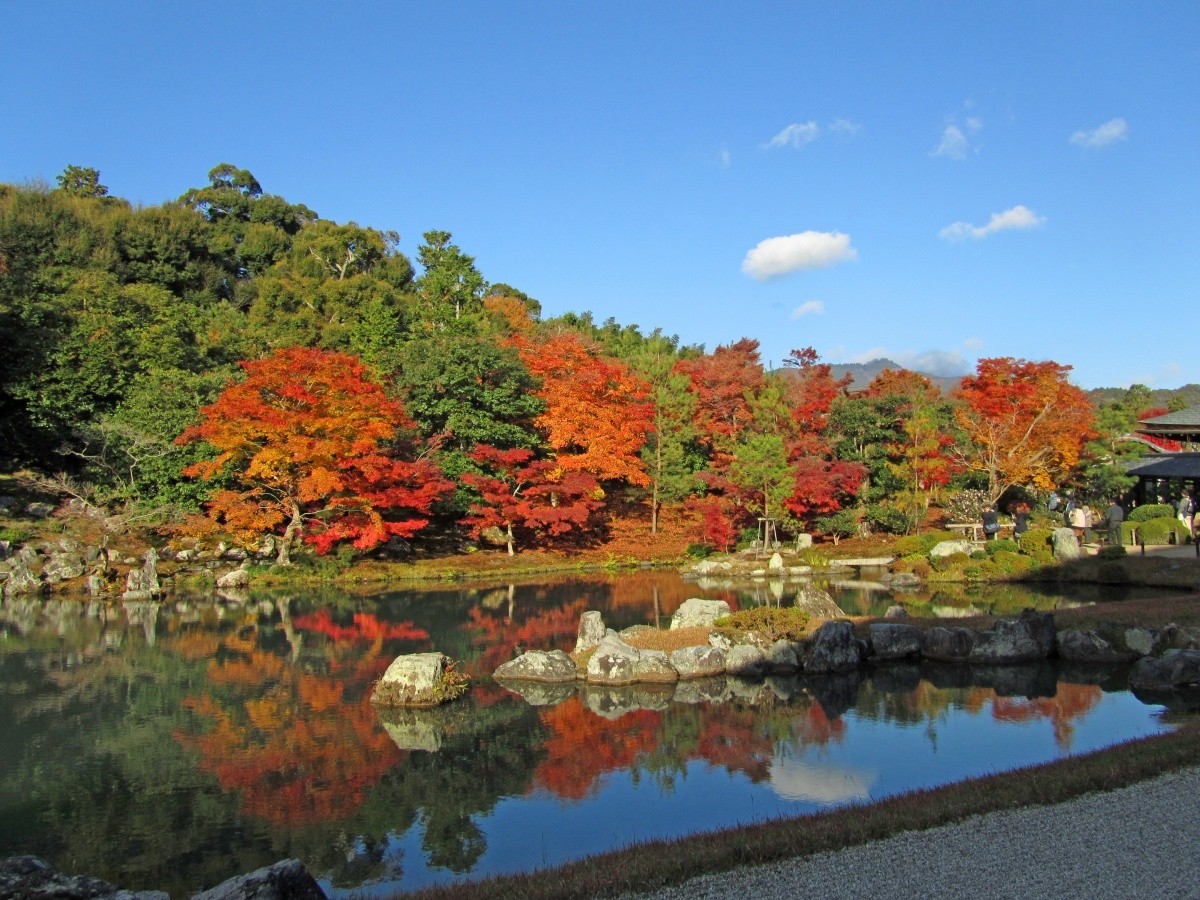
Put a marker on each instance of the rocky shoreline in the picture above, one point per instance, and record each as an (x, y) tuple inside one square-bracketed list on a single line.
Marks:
[(1164, 660)]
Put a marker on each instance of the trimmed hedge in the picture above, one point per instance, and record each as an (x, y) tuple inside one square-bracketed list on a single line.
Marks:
[(1150, 511), (1154, 531)]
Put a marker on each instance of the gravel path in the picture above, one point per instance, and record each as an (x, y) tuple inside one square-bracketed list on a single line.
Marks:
[(1141, 841)]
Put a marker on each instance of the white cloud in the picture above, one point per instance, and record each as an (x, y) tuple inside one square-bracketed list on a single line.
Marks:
[(1018, 217), (790, 253), (845, 126), (973, 343), (954, 143), (726, 158), (811, 308), (1108, 133), (796, 135)]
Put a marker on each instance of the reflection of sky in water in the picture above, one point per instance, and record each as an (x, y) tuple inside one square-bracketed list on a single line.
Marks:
[(794, 779), (873, 759)]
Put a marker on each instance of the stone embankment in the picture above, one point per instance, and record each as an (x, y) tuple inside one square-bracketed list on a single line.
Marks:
[(1165, 659), (34, 569), (31, 878)]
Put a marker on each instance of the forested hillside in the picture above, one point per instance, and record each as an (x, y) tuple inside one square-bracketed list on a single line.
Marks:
[(233, 353)]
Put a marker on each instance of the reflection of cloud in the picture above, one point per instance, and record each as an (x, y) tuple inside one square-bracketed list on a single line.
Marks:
[(794, 779)]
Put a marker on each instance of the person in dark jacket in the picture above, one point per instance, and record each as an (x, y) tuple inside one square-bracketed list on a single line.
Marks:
[(1113, 517)]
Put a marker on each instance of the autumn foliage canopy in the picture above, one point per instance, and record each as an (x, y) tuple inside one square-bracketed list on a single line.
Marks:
[(307, 441)]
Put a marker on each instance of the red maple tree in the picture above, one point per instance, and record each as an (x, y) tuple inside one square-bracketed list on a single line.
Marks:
[(309, 443), (1025, 422), (536, 497)]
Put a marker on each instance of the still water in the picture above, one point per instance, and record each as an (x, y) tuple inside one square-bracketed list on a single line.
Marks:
[(172, 746)]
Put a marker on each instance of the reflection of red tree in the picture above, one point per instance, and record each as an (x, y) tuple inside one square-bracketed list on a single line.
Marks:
[(501, 637), (582, 746), (366, 627), (300, 747), (816, 728), (735, 739), (1069, 703)]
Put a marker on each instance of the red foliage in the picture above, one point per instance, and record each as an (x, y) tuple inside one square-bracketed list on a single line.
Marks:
[(822, 486), (366, 627), (310, 440), (534, 496), (1025, 423), (723, 383)]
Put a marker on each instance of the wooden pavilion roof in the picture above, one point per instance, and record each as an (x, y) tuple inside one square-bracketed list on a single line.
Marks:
[(1183, 425)]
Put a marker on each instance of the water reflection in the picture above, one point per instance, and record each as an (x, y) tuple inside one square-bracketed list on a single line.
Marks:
[(170, 746)]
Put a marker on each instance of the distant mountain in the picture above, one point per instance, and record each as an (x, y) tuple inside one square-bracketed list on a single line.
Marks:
[(863, 373), (1159, 399)]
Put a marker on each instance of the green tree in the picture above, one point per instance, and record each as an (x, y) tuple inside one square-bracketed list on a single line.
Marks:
[(79, 181), (450, 285)]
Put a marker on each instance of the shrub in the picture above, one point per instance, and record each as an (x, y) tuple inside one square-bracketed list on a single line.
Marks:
[(811, 556), (1150, 511), (15, 535), (966, 506), (1035, 540), (1160, 531), (1001, 545), (923, 543), (890, 519), (773, 622), (1111, 552), (1010, 563), (1129, 532), (951, 561), (698, 551)]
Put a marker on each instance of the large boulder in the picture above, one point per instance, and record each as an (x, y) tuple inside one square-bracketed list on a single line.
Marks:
[(949, 548), (818, 603), (142, 583), (21, 581), (1026, 639), (947, 644), (1173, 670), (747, 661), (614, 662), (894, 640), (591, 631), (654, 666), (698, 662), (832, 648), (699, 613), (418, 679), (235, 580), (548, 666), (31, 878), (781, 657), (1145, 641), (63, 566), (1066, 545), (286, 880), (1086, 646)]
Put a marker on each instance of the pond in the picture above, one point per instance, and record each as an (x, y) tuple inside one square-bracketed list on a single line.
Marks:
[(172, 746)]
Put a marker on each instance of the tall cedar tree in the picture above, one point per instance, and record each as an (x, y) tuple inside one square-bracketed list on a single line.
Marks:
[(1025, 423), (311, 444)]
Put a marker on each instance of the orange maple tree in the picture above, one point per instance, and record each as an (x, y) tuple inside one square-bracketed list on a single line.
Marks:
[(597, 414), (309, 443), (1025, 423)]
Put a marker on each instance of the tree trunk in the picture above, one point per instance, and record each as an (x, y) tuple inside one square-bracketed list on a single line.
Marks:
[(294, 529), (510, 539)]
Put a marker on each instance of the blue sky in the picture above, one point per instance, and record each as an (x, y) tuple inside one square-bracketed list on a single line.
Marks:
[(932, 182)]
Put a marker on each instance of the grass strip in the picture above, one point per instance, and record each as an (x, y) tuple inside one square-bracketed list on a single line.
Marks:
[(655, 864)]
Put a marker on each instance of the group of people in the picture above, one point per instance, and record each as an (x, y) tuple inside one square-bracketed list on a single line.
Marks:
[(1081, 518)]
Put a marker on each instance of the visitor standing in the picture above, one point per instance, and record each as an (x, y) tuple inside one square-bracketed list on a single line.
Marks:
[(1020, 514), (1186, 509), (1113, 517), (1076, 519), (991, 522)]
